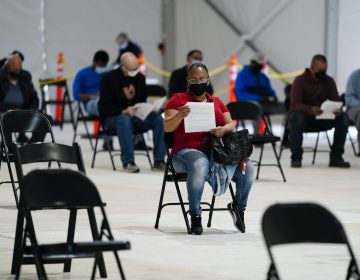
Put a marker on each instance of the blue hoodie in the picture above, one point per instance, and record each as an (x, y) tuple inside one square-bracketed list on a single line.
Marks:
[(258, 82)]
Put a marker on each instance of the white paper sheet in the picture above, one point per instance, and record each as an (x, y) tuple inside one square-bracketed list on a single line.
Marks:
[(201, 117), (143, 109), (328, 108)]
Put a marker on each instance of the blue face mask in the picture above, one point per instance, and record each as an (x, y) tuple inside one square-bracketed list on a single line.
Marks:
[(193, 61), (100, 70)]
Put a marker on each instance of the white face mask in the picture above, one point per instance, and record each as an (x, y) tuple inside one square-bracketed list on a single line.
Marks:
[(100, 70), (123, 46), (133, 73)]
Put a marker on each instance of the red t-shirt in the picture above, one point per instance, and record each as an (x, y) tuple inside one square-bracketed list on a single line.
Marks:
[(195, 140)]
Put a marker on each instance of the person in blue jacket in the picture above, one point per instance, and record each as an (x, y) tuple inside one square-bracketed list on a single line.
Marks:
[(253, 85)]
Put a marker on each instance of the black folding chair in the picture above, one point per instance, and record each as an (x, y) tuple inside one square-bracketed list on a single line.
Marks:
[(310, 129), (61, 189), (170, 175), (303, 223), (81, 116), (106, 134), (243, 111), (18, 122), (49, 99), (47, 153)]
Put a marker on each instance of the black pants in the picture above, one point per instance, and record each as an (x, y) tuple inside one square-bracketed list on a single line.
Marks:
[(298, 124)]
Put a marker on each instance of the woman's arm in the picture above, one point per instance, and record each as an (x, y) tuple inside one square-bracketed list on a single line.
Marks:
[(173, 118), (220, 131)]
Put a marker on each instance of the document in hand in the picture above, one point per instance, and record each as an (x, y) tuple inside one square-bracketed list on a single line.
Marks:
[(201, 117), (143, 109), (328, 108)]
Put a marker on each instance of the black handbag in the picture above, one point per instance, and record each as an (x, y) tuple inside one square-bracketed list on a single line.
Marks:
[(231, 148)]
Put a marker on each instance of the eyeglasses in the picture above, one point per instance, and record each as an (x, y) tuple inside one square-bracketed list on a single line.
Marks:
[(196, 81)]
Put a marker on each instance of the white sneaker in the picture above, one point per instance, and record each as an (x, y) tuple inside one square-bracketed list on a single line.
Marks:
[(131, 167)]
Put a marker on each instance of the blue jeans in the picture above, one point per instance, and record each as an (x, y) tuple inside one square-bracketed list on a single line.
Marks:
[(124, 126), (298, 124), (196, 164), (91, 107)]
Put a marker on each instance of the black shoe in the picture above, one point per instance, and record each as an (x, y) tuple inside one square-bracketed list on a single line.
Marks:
[(196, 227), (296, 163), (237, 215), (131, 167), (159, 166), (339, 162)]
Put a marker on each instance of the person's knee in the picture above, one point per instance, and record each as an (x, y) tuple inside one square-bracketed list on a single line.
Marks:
[(124, 121), (342, 120)]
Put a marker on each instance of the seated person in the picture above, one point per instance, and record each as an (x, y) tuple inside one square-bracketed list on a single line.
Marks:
[(177, 82), (17, 92), (253, 85), (3, 60), (86, 86), (352, 101), (120, 90), (308, 92), (191, 151)]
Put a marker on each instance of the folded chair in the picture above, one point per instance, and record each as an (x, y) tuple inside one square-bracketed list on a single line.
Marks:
[(50, 98), (13, 123), (303, 223), (170, 175), (243, 111), (60, 189), (47, 153), (106, 134), (81, 116)]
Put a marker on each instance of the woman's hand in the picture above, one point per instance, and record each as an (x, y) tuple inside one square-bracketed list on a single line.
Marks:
[(184, 111), (218, 131)]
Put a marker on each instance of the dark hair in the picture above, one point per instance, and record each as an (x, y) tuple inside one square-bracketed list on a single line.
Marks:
[(16, 52), (190, 53), (319, 57), (101, 56), (197, 65)]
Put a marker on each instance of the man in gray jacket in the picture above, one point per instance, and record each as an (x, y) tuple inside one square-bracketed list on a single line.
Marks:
[(352, 100)]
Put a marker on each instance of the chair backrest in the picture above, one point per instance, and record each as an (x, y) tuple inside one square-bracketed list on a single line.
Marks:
[(155, 90), (22, 121), (301, 222), (244, 110), (47, 152), (58, 189)]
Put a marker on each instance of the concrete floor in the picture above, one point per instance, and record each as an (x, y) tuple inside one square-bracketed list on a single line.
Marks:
[(221, 252)]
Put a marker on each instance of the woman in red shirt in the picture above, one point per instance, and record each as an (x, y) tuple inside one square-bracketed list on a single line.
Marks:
[(191, 151)]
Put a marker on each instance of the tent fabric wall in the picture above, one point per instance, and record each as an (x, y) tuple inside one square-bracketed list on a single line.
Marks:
[(291, 32), (348, 41)]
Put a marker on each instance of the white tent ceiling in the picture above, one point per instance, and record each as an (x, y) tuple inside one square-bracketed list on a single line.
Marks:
[(288, 32)]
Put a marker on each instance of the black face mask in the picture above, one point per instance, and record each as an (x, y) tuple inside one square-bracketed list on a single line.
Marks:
[(198, 89), (14, 75), (256, 68), (320, 74)]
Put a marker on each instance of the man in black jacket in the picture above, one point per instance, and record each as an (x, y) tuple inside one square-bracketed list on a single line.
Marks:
[(17, 91), (178, 82), (120, 90)]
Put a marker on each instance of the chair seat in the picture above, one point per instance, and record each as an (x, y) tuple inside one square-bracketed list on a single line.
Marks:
[(263, 139), (58, 249), (181, 177)]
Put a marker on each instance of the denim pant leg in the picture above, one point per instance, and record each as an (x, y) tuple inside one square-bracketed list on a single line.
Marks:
[(155, 122), (91, 107), (298, 122), (354, 115), (124, 130), (196, 164), (243, 184)]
